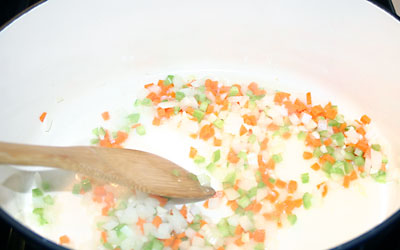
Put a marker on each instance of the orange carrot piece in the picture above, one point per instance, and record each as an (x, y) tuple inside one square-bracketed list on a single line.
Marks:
[(328, 141), (286, 135), (64, 239), (206, 132), (168, 242), (183, 211), (346, 181), (292, 187), (140, 224), (307, 155), (363, 145), (361, 131), (239, 230), (42, 116), (272, 127), (243, 130), (259, 235), (250, 120), (238, 242), (315, 166), (156, 121), (264, 144), (104, 236), (121, 137), (104, 210), (317, 111), (136, 125), (257, 207), (205, 205), (175, 245), (210, 109), (148, 85), (193, 152), (280, 184), (353, 176), (232, 157), (365, 119), (327, 157), (99, 191), (189, 110), (217, 142), (308, 96), (221, 248), (106, 116), (163, 201), (157, 221), (280, 96)]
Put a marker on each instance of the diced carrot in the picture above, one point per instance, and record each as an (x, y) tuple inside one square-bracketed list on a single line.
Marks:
[(104, 236), (232, 157), (217, 142), (361, 131), (99, 191), (163, 201), (136, 125), (280, 184), (308, 96), (205, 205), (257, 207), (97, 199), (221, 248), (239, 230), (292, 187), (157, 221), (183, 211), (152, 96), (193, 152), (224, 89), (140, 224), (210, 109), (327, 157), (315, 166), (175, 245), (272, 127), (181, 235), (156, 121), (342, 127), (259, 235), (64, 239), (307, 155), (286, 135), (168, 242), (346, 181), (121, 137), (206, 132), (148, 85), (238, 242), (160, 112), (42, 116), (202, 223), (365, 119), (270, 164), (233, 204), (193, 136), (106, 116), (254, 88), (328, 141), (317, 111), (189, 110), (353, 175), (104, 210), (363, 145), (280, 96), (243, 130), (324, 188), (250, 120), (225, 105), (264, 144)]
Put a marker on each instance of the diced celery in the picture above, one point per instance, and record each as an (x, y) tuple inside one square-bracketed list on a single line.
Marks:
[(305, 178), (261, 184), (301, 135), (219, 123), (133, 118), (358, 152), (277, 158), (317, 152), (376, 147), (244, 202), (330, 150), (348, 167), (324, 133), (108, 245), (333, 123), (252, 192), (234, 91), (241, 192), (76, 189), (203, 106), (242, 155), (95, 132), (380, 176), (86, 185), (141, 130), (349, 156), (272, 180), (307, 200), (349, 149), (38, 211), (195, 226), (45, 186), (385, 160), (339, 118), (292, 218), (259, 246), (338, 138), (211, 167), (363, 174), (146, 102), (169, 80), (216, 155), (199, 159), (198, 114), (36, 192), (252, 138), (223, 228), (48, 200), (337, 170), (176, 109), (359, 161), (94, 141), (327, 167), (179, 96), (102, 132), (137, 103)]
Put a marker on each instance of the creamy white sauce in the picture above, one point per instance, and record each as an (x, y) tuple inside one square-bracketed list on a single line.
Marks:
[(342, 215)]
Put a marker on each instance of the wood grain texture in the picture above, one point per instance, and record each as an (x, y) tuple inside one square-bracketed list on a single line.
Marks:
[(132, 168)]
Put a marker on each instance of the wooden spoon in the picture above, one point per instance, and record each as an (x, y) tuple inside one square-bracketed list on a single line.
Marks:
[(132, 168)]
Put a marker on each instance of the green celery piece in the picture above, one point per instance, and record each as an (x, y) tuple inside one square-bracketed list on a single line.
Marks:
[(305, 178), (76, 189), (380, 176), (141, 130), (36, 192), (211, 167), (169, 80), (230, 178), (307, 200), (198, 114), (259, 246), (86, 185), (179, 96), (376, 147), (302, 135), (292, 218), (133, 118), (327, 167), (349, 156), (359, 161), (348, 167), (277, 158), (199, 159), (203, 106), (146, 102), (252, 192), (317, 153), (95, 132), (252, 138), (94, 141), (216, 155), (234, 91), (48, 200), (45, 186), (218, 123)]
